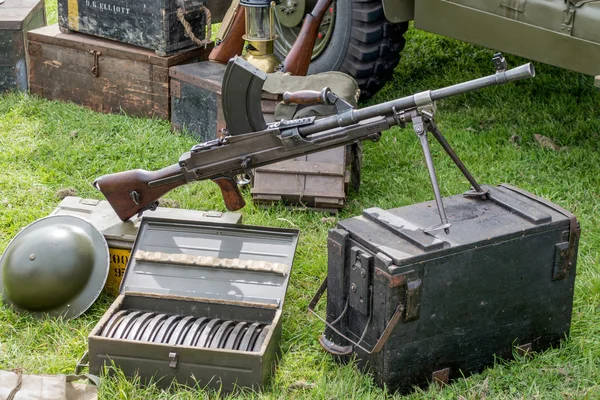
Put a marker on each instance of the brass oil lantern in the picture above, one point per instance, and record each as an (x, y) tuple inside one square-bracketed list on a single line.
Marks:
[(260, 35)]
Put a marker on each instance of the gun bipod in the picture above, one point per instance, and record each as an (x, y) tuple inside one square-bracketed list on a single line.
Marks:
[(423, 122)]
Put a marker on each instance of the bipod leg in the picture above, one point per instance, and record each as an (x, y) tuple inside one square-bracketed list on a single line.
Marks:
[(421, 132), (477, 191)]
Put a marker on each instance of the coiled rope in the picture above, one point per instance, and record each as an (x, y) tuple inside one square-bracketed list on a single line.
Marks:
[(188, 28)]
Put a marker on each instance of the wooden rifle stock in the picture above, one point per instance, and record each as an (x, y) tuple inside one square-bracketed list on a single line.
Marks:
[(232, 42), (299, 56), (132, 192)]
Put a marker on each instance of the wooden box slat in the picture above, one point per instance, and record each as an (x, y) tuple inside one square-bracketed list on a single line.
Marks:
[(318, 180), (129, 78)]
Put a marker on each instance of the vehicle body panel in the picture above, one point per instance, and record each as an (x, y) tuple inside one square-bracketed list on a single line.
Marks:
[(565, 35)]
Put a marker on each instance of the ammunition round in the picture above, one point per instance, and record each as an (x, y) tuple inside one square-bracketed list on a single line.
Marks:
[(152, 328), (248, 336), (166, 328), (221, 334), (208, 332), (111, 322), (235, 336), (139, 325), (180, 330), (125, 325), (261, 338), (194, 331)]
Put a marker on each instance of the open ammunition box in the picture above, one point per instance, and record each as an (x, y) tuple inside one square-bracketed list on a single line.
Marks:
[(200, 303)]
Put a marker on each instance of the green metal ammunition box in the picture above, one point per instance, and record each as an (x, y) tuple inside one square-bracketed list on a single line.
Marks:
[(120, 235), (197, 270)]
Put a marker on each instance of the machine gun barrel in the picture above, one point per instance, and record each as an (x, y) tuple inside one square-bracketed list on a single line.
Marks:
[(419, 99)]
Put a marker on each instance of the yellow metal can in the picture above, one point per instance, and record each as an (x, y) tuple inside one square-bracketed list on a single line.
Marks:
[(118, 262)]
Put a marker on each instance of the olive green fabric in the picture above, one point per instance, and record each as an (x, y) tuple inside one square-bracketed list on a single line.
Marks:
[(17, 386), (341, 84)]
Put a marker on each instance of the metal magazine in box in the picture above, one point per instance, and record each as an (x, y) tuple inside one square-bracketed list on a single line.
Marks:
[(200, 303)]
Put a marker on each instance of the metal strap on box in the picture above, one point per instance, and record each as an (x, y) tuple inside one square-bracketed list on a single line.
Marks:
[(345, 350)]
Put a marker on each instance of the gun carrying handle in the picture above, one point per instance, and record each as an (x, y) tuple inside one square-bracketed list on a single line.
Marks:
[(338, 350), (307, 97), (231, 193)]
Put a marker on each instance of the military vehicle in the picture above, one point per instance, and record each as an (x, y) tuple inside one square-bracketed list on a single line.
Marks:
[(364, 38)]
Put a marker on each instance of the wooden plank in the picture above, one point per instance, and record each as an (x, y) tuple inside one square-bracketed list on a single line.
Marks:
[(305, 167), (325, 194)]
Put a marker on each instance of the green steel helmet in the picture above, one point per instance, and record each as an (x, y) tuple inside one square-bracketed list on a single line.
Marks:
[(57, 266)]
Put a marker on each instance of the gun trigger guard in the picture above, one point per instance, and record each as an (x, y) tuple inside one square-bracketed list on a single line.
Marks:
[(150, 207)]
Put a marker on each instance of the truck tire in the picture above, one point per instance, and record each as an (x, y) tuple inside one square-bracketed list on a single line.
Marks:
[(362, 44)]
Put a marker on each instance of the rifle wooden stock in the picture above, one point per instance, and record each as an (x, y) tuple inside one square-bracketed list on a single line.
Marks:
[(231, 193), (232, 42), (130, 192), (299, 56)]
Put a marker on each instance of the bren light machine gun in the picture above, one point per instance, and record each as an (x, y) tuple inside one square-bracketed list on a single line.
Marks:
[(251, 143)]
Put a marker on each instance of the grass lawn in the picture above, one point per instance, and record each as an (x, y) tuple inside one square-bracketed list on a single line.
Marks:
[(48, 146)]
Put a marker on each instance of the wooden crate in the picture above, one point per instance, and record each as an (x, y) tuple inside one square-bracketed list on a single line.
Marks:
[(152, 24), (16, 18), (434, 306), (319, 180), (101, 74)]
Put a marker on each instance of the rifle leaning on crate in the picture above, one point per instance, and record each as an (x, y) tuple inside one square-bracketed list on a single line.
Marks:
[(230, 41), (251, 143)]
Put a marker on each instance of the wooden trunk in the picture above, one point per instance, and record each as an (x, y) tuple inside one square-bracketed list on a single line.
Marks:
[(435, 306), (101, 74), (152, 24), (16, 18)]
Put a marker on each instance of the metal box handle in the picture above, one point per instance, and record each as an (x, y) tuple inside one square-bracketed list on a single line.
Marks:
[(339, 350)]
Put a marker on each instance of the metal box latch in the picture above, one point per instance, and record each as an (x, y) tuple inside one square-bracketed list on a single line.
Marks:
[(359, 297), (173, 360)]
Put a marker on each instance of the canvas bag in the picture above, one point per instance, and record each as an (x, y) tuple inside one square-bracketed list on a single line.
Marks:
[(341, 84), (18, 386)]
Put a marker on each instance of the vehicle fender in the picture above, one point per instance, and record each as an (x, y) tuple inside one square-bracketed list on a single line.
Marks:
[(397, 11)]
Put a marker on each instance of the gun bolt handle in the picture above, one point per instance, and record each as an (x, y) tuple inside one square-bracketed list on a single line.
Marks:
[(307, 97)]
